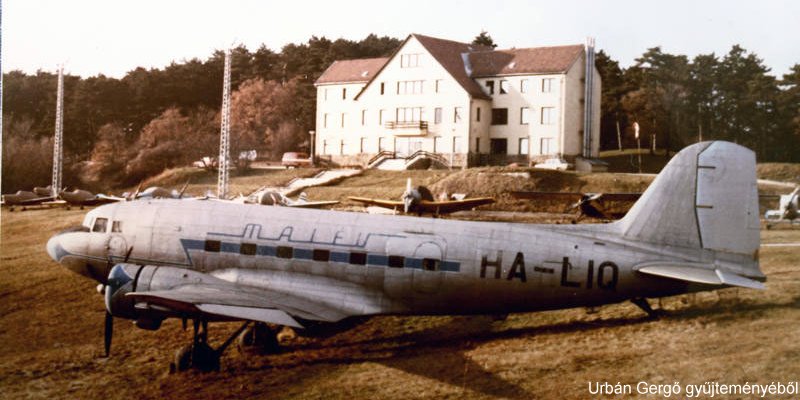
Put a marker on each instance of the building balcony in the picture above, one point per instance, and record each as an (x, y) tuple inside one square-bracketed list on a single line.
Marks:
[(408, 128)]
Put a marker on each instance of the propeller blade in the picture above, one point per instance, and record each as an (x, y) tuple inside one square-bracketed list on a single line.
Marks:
[(183, 189), (109, 332), (128, 254), (136, 193)]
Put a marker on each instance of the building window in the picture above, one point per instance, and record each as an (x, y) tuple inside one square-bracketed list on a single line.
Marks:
[(325, 120), (383, 87), (524, 143), (524, 116), (437, 144), (247, 249), (490, 86), (363, 117), (381, 117), (409, 60), (344, 93), (381, 144), (499, 116), (457, 115), (547, 85), (524, 86), (548, 115), (457, 145), (477, 145), (544, 145), (437, 115), (409, 87), (410, 114), (503, 86), (478, 115), (498, 146), (439, 84)]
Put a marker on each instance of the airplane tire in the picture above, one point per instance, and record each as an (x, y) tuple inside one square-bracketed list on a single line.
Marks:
[(258, 339), (201, 357)]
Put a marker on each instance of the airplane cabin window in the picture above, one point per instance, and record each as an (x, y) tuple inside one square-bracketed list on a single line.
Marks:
[(247, 249), (358, 258), (116, 226), (430, 264), (100, 225), (213, 245), (396, 261), (321, 255), (284, 252)]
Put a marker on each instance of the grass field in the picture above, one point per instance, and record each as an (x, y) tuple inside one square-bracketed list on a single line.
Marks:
[(51, 324)]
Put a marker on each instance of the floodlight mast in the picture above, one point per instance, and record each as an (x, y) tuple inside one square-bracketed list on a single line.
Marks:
[(225, 128), (55, 184)]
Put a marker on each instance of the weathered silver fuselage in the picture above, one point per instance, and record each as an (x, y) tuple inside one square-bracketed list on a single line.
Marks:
[(376, 264)]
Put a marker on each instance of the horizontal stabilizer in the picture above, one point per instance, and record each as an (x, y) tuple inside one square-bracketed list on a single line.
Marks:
[(697, 273)]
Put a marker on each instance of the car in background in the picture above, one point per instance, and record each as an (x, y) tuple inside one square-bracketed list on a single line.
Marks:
[(293, 159), (554, 163)]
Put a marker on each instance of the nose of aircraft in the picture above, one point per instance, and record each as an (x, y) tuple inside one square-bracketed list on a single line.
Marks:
[(69, 248), (54, 248)]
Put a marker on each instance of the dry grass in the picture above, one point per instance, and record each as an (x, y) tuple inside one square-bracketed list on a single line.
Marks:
[(785, 172), (51, 331)]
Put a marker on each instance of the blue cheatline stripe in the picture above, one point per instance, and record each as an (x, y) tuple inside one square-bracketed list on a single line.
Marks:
[(340, 257), (307, 254), (229, 247), (303, 254), (415, 263), (377, 259), (268, 251)]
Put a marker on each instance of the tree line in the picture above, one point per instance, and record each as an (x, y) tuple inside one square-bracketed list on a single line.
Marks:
[(120, 131)]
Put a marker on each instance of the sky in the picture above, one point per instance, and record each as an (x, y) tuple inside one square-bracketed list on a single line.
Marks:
[(92, 37)]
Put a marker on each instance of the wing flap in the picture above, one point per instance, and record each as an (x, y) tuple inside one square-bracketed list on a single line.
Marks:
[(271, 316), (697, 273), (378, 202)]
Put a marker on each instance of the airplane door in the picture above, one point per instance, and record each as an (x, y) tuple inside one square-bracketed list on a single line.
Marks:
[(427, 274)]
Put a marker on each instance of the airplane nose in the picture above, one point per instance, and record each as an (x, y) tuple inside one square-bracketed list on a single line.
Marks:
[(69, 248), (54, 248)]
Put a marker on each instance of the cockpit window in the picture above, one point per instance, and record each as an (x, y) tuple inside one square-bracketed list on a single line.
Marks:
[(100, 225), (116, 226)]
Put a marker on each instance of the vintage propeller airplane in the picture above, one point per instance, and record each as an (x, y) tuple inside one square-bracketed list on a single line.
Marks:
[(594, 205), (787, 209), (420, 201), (696, 228)]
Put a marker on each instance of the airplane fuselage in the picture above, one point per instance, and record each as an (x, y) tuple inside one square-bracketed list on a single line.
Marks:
[(375, 264)]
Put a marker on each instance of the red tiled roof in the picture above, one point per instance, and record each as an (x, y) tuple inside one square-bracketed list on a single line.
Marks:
[(536, 60), (449, 54), (352, 71)]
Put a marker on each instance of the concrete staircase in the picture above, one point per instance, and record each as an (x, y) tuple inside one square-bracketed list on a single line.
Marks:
[(392, 164)]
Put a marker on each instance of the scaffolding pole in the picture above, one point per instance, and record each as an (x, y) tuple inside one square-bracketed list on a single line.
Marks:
[(58, 147), (225, 131)]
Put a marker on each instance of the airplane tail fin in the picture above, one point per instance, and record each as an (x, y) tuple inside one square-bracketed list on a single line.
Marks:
[(706, 198)]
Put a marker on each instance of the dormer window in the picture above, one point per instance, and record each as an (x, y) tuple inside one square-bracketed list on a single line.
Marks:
[(409, 60)]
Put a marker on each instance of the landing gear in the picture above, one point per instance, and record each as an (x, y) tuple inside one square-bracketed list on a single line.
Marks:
[(642, 303), (259, 338), (199, 354)]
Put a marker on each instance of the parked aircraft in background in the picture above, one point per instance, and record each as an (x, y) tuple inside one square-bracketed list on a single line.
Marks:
[(82, 198), (24, 199), (589, 204), (420, 201), (787, 209), (696, 228), (274, 198), (43, 191)]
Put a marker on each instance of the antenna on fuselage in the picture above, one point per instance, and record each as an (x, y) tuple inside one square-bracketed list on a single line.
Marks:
[(224, 139)]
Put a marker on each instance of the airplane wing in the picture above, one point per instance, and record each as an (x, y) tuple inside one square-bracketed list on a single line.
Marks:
[(109, 198), (239, 302), (312, 204), (378, 202), (631, 197), (446, 207)]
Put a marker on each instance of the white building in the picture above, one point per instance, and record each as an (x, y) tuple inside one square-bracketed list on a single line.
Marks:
[(468, 105)]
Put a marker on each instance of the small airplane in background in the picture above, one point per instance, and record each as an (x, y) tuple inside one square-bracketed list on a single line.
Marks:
[(787, 209), (275, 198), (82, 198), (25, 199), (589, 204), (420, 201)]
